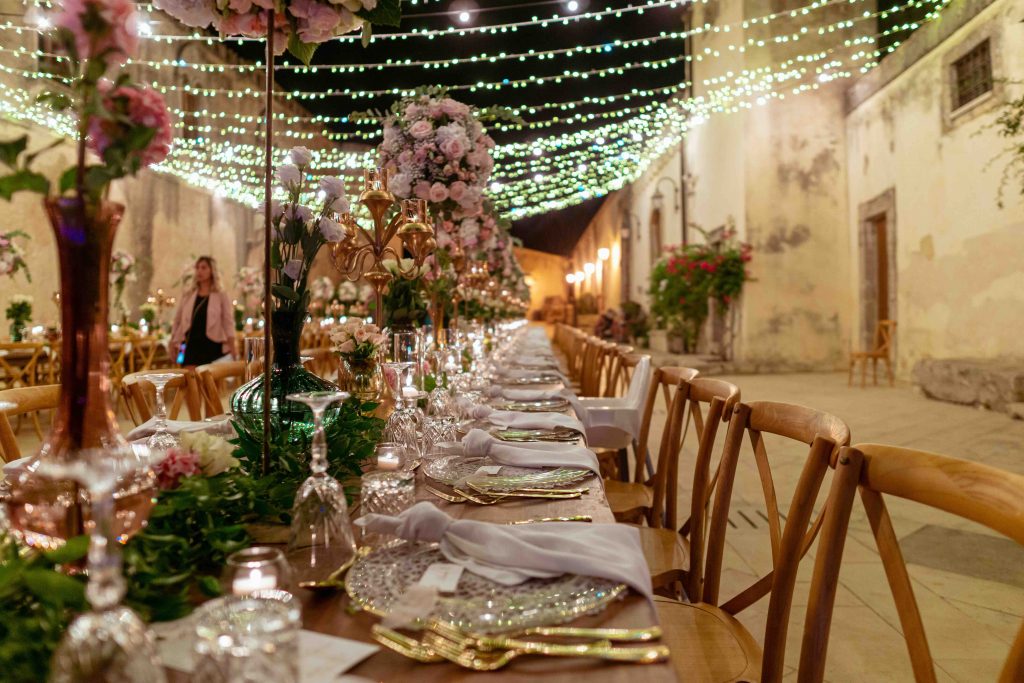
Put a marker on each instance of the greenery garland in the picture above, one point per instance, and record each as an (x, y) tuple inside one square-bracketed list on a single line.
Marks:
[(176, 561)]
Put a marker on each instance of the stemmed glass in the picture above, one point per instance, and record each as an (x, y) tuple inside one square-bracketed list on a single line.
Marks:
[(321, 540), (161, 439), (110, 642)]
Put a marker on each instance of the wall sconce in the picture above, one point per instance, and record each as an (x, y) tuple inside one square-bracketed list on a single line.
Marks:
[(571, 278), (658, 199), (603, 254), (589, 268), (579, 275)]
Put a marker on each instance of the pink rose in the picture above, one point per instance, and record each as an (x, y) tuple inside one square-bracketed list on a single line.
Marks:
[(422, 189), (454, 108), (347, 347), (177, 464), (145, 108), (113, 34), (457, 190), (453, 148), (421, 129), (438, 193), (317, 21)]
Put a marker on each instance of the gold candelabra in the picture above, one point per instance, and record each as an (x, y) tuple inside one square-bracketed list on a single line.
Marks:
[(361, 252), (161, 301)]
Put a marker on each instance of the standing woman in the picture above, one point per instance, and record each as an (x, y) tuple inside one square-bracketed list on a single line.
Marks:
[(204, 321)]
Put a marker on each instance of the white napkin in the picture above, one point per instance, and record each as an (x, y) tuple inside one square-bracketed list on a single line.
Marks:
[(513, 419), (147, 428), (514, 394), (511, 554), (530, 454), (520, 373)]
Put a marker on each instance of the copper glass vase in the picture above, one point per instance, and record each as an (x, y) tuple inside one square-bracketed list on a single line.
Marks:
[(48, 512)]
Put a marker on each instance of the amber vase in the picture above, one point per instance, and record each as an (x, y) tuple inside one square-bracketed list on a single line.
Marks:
[(47, 512)]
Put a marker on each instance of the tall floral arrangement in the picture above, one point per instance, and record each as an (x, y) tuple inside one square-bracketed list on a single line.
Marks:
[(12, 258), (124, 124), (122, 271), (299, 25), (440, 152), (322, 289)]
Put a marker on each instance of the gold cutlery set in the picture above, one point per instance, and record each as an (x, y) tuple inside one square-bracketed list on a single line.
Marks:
[(474, 493), (557, 435), (442, 641)]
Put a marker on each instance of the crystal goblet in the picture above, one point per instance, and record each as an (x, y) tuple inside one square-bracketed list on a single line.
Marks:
[(161, 439), (321, 538), (110, 642)]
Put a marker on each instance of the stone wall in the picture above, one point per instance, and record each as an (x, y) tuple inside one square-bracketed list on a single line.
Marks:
[(545, 273), (959, 256)]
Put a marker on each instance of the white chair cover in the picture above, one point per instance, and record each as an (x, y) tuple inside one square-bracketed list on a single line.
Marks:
[(615, 422)]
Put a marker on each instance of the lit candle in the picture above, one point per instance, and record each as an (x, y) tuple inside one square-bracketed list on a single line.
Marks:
[(256, 580), (410, 392), (389, 459)]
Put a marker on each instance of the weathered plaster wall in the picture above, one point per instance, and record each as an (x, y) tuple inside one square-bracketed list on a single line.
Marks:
[(605, 230), (959, 256), (166, 225), (545, 274)]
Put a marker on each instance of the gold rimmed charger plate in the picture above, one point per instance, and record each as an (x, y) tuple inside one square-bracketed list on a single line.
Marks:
[(377, 581), (544, 405)]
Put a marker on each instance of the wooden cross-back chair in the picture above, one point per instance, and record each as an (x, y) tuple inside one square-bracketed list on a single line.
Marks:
[(26, 400), (708, 619), (577, 351), (321, 361), (881, 350), (675, 553), (991, 497), (22, 366), (140, 395), (143, 353), (643, 498), (612, 385), (211, 378), (593, 366)]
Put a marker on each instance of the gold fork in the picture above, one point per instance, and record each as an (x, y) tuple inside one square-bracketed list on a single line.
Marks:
[(403, 645), (515, 638), (471, 658)]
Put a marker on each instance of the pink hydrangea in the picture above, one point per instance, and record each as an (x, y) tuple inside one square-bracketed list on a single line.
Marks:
[(104, 29), (145, 108), (177, 464), (316, 21)]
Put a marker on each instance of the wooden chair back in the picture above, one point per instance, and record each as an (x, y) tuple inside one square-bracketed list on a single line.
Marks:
[(140, 395), (211, 383), (612, 383), (20, 366), (143, 353), (824, 434), (322, 361), (25, 400), (985, 495), (884, 331)]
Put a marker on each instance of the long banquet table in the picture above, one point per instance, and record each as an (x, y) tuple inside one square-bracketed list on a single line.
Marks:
[(329, 614)]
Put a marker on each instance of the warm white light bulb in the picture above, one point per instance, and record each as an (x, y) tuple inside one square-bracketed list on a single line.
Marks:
[(603, 254), (571, 278), (464, 17), (589, 268), (572, 6)]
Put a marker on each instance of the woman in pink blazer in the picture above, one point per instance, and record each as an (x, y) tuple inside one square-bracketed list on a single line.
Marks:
[(204, 321)]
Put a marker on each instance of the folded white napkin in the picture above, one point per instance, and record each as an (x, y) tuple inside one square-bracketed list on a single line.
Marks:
[(511, 554), (146, 429), (513, 419), (530, 454), (519, 373)]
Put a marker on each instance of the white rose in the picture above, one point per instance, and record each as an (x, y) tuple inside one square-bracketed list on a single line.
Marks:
[(332, 187), (215, 453), (288, 175), (300, 156)]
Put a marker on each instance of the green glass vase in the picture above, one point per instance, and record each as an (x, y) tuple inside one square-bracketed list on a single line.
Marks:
[(287, 376)]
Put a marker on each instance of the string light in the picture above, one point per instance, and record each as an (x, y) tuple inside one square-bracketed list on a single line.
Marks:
[(547, 173)]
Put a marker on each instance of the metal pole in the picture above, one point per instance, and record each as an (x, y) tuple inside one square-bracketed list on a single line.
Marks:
[(268, 174)]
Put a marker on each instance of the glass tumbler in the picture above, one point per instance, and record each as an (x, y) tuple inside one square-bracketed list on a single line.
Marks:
[(386, 493), (248, 639)]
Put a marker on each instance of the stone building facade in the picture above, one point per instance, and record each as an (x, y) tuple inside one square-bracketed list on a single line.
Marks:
[(809, 180)]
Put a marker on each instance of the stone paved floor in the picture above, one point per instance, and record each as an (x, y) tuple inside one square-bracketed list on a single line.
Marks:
[(968, 582)]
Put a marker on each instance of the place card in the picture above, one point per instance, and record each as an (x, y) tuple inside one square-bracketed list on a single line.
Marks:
[(444, 576), (489, 470), (321, 657)]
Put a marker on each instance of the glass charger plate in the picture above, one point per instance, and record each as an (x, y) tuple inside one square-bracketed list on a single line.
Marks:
[(544, 405), (479, 604), (533, 379), (451, 468)]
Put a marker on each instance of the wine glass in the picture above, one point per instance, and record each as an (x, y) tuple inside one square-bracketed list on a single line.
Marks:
[(321, 540), (161, 439), (404, 356), (110, 642)]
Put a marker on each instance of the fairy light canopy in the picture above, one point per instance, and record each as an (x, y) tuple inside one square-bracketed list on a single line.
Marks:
[(602, 86)]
